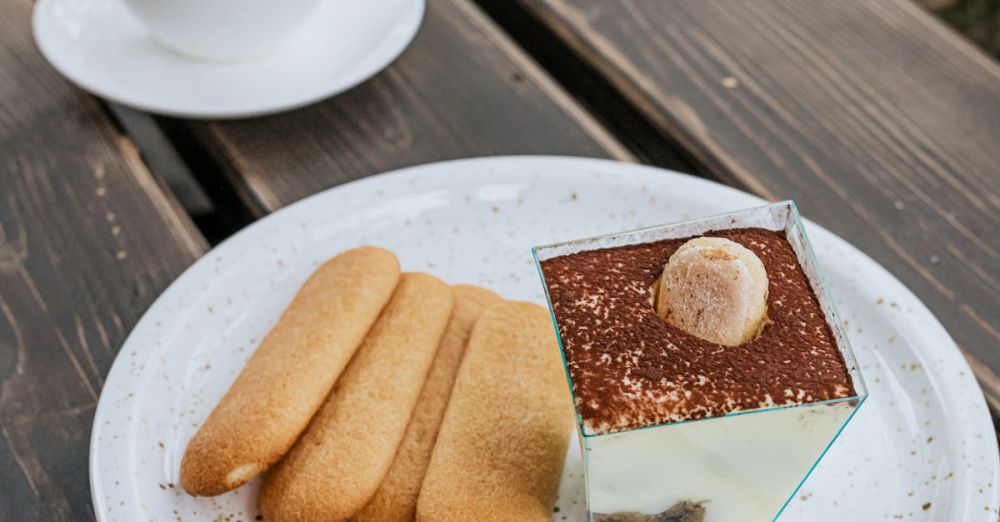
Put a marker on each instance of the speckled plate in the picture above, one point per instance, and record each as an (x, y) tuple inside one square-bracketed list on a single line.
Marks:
[(921, 448)]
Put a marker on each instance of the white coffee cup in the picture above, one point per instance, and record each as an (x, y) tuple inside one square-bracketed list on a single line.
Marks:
[(223, 30)]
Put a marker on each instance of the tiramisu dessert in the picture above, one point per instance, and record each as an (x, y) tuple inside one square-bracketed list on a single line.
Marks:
[(707, 364)]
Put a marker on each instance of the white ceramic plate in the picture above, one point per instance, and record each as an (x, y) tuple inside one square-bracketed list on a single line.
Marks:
[(102, 47), (921, 448)]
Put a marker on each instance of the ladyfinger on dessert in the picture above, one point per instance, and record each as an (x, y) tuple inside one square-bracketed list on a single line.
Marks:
[(501, 446), (292, 371), (338, 463), (396, 498)]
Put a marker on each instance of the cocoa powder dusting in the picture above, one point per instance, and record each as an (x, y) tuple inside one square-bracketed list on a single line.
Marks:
[(631, 369)]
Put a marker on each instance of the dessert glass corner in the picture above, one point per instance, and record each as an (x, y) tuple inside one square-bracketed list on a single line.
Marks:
[(743, 466)]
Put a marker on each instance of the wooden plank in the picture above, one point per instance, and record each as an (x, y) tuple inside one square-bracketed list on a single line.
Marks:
[(203, 193), (462, 89), (879, 121), (87, 241), (160, 157)]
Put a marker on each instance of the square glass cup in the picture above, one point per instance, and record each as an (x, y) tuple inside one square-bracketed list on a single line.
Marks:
[(744, 466)]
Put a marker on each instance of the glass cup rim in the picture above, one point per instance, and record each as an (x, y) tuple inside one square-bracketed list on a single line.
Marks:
[(792, 221)]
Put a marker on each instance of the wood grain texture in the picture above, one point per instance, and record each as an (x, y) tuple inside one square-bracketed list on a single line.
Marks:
[(879, 121), (87, 241), (462, 89)]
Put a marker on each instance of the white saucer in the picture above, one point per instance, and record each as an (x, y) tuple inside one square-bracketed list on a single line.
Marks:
[(922, 447), (101, 47)]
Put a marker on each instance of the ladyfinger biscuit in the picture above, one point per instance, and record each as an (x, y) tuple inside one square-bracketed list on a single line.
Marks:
[(335, 468), (396, 498), (290, 374), (500, 450)]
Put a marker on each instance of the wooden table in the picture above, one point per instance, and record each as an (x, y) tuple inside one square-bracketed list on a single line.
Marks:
[(882, 123)]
